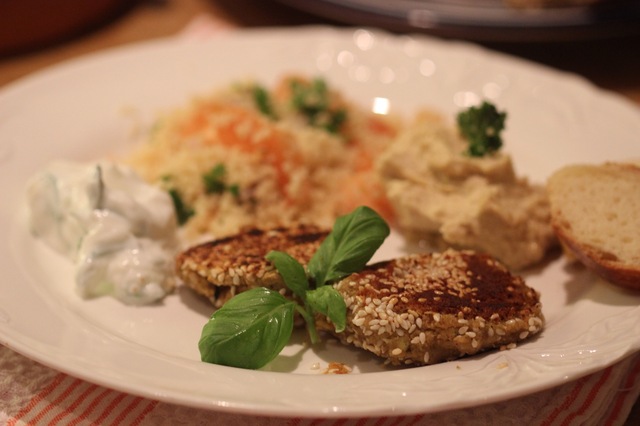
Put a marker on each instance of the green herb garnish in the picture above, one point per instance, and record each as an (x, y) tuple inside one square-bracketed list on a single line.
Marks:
[(262, 100), (253, 327), (215, 181), (312, 101), (183, 212), (481, 127)]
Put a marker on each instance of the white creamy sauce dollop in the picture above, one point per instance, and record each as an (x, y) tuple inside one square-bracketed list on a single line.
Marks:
[(118, 230)]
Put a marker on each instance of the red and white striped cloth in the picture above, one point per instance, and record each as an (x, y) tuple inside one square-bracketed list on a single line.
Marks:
[(32, 394)]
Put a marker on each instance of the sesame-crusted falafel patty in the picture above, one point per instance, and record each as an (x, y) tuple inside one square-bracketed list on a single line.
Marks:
[(222, 268), (429, 308)]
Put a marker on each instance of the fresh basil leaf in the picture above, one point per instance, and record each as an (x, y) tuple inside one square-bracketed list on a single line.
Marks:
[(350, 245), (327, 301), (249, 330), (292, 272), (310, 321)]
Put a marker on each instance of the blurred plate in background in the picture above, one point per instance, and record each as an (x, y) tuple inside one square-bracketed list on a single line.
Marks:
[(486, 20)]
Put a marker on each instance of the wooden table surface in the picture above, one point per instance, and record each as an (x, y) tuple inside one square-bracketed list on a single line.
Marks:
[(612, 64)]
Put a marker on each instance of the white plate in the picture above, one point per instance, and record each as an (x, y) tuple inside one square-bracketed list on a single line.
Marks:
[(88, 108)]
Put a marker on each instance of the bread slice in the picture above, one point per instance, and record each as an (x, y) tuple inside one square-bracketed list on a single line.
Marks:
[(595, 212), (428, 308), (222, 268)]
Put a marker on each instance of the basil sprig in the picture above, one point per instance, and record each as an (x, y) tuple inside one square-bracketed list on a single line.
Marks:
[(252, 328)]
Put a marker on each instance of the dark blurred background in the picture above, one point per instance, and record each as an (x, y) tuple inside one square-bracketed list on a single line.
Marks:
[(605, 50)]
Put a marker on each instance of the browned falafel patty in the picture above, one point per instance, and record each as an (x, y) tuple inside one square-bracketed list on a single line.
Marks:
[(429, 308), (221, 268)]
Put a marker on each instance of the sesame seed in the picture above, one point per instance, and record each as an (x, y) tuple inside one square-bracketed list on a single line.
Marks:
[(396, 352), (359, 321)]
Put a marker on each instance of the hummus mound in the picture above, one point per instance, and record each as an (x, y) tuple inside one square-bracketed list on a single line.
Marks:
[(441, 195)]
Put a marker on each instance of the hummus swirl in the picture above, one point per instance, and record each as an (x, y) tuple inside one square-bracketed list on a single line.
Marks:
[(444, 197)]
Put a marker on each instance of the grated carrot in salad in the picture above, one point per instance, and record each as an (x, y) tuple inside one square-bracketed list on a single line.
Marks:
[(299, 152)]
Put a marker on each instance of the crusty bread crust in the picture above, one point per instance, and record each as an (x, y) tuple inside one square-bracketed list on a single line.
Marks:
[(595, 212), (602, 263), (429, 308)]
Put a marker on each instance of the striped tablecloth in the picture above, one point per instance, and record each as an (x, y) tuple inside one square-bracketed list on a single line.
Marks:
[(32, 394)]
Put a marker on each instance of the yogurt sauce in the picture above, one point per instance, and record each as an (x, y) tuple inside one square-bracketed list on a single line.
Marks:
[(118, 230)]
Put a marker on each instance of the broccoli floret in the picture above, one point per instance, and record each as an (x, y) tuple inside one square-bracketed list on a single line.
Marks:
[(481, 127)]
